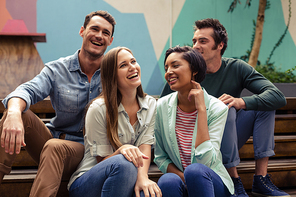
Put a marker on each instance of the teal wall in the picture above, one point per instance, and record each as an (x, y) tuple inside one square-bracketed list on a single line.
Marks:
[(61, 21)]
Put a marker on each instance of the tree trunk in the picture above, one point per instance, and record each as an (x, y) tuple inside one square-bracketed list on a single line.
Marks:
[(258, 34)]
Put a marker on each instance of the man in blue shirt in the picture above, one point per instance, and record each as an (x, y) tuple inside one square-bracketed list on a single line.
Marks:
[(71, 82)]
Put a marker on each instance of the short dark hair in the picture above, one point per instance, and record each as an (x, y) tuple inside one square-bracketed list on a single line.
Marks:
[(194, 58), (220, 34), (103, 14)]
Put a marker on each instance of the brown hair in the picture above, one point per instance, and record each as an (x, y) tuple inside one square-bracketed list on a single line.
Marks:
[(103, 14), (220, 34), (111, 94)]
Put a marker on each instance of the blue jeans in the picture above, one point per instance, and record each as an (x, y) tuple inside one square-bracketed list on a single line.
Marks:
[(114, 176), (238, 129), (200, 181)]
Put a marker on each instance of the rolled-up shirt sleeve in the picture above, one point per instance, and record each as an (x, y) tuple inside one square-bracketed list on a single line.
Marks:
[(95, 130)]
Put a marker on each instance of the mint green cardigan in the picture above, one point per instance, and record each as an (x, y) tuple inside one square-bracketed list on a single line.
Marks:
[(208, 153)]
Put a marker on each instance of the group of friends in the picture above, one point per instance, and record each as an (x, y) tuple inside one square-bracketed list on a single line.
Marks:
[(105, 126)]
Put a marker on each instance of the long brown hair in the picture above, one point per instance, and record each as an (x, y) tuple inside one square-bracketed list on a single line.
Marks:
[(111, 94)]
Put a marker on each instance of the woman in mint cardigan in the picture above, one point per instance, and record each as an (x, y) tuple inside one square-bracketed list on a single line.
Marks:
[(188, 129)]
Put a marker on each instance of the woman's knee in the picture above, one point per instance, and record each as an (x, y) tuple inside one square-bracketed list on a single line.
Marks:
[(169, 180), (119, 163), (195, 170), (171, 185), (124, 163)]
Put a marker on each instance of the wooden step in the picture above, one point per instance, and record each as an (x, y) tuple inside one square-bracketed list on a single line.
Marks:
[(19, 182), (285, 146), (24, 160), (285, 124), (283, 173), (290, 107)]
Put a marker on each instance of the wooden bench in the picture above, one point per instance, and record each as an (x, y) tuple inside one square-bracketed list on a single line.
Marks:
[(282, 166)]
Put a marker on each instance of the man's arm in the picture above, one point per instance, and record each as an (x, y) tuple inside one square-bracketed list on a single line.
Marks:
[(13, 129), (237, 103), (266, 96)]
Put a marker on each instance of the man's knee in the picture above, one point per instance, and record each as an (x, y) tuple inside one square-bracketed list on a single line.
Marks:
[(62, 148), (266, 116), (53, 147), (231, 117), (30, 119)]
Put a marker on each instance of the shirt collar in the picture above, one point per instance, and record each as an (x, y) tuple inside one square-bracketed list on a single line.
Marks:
[(74, 62), (142, 102)]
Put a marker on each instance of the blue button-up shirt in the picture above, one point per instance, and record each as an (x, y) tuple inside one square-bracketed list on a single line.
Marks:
[(69, 92)]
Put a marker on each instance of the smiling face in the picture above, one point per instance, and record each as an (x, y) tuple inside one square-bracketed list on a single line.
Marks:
[(96, 37), (178, 73), (128, 71)]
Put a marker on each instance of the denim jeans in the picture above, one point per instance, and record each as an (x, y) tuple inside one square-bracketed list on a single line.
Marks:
[(238, 129), (114, 176), (200, 181)]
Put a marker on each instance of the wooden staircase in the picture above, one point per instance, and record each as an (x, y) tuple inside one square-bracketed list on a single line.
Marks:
[(282, 166)]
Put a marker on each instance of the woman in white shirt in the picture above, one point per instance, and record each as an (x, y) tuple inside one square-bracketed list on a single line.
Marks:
[(118, 134)]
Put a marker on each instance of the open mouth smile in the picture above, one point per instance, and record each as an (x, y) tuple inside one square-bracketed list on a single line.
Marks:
[(172, 79), (96, 43), (134, 75)]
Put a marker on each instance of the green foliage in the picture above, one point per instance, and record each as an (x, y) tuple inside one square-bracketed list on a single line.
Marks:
[(268, 70), (248, 52), (275, 75), (282, 37), (248, 4), (234, 3)]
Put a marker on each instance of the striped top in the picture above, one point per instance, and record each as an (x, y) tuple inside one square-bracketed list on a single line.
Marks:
[(185, 123)]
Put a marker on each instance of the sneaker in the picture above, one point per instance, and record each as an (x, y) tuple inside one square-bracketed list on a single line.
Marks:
[(239, 188), (263, 186)]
